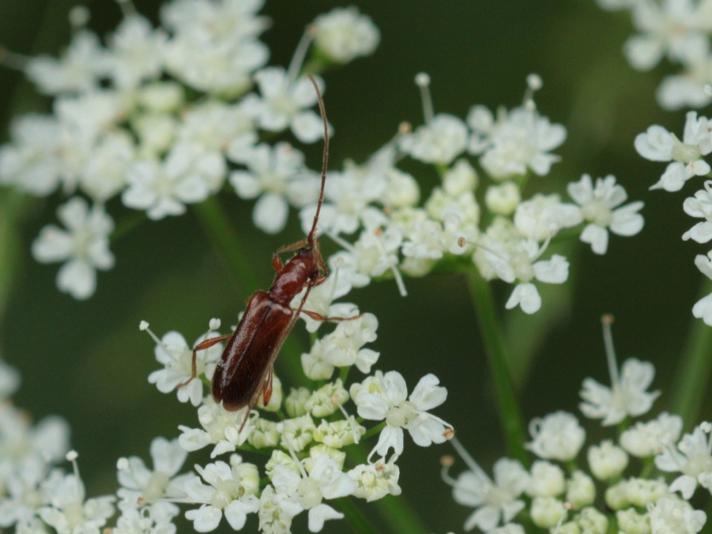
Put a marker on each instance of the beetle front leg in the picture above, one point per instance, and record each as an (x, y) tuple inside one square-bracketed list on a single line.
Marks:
[(205, 344)]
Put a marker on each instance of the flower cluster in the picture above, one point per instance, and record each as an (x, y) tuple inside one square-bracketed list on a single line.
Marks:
[(677, 31), (685, 161), (376, 212), (303, 431), (159, 118), (35, 491), (642, 479)]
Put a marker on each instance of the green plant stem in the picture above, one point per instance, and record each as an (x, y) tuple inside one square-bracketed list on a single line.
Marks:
[(234, 251), (355, 517), (509, 415), (694, 371)]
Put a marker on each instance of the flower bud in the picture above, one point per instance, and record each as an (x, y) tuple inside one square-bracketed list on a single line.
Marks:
[(264, 434), (163, 97), (327, 399), (547, 480), (546, 512), (503, 199), (568, 528), (338, 434), (402, 190), (607, 460), (592, 521), (296, 402), (580, 490), (631, 522), (459, 178), (297, 433)]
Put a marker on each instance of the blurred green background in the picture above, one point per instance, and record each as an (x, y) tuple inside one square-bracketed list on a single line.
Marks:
[(88, 362)]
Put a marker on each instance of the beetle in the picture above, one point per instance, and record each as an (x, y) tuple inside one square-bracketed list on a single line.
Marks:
[(245, 370)]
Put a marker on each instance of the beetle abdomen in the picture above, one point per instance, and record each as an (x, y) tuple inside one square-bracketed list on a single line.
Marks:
[(240, 374)]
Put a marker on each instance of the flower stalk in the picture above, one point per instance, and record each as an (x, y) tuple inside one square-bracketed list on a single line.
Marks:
[(509, 414), (694, 370)]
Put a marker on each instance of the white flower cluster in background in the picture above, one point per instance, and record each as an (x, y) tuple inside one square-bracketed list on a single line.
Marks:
[(378, 215), (37, 492), (676, 31), (642, 479), (685, 159), (159, 118)]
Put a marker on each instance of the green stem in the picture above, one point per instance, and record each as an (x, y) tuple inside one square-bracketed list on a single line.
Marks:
[(694, 370), (356, 519), (217, 226), (509, 415), (374, 430)]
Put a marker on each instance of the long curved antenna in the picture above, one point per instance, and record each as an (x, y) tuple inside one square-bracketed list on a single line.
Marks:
[(324, 159)]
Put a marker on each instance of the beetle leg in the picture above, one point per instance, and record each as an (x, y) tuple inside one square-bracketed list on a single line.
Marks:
[(267, 388), (205, 344), (277, 262), (319, 317)]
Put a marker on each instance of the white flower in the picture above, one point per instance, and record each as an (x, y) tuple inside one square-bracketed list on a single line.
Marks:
[(703, 307), (647, 439), (671, 515), (77, 70), (176, 356), (23, 492), (657, 144), (140, 485), (48, 439), (503, 253), (276, 512), (187, 176), (343, 34), (277, 176), (541, 217), (439, 141), (104, 174), (136, 52), (154, 519), (627, 396), (693, 459), (514, 141), (700, 206), (84, 246), (687, 89), (69, 513), (557, 436), (581, 491), (601, 208), (33, 162), (671, 28), (316, 478), (385, 397), (225, 489), (286, 103), (219, 427), (211, 52), (375, 480), (343, 347), (607, 460), (494, 501)]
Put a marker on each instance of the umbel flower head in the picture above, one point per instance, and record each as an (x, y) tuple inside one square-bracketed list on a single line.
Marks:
[(558, 494)]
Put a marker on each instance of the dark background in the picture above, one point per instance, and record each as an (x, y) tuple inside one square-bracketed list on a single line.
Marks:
[(88, 362)]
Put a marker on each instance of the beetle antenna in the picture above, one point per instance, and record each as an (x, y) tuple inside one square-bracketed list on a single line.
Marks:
[(324, 158)]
